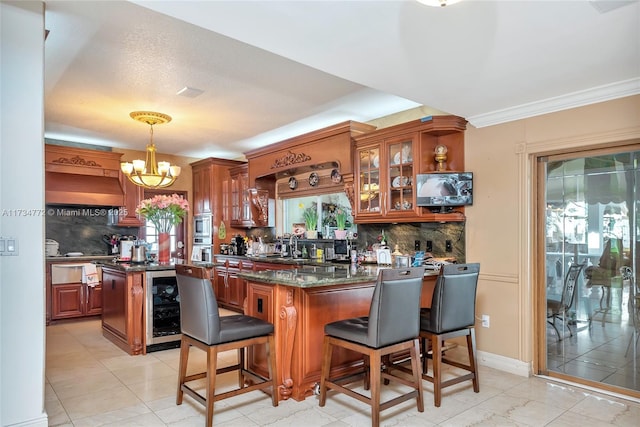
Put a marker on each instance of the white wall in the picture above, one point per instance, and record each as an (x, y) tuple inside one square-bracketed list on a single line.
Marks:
[(22, 325)]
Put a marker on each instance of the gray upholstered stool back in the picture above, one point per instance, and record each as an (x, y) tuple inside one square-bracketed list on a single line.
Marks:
[(394, 314), (198, 307), (454, 299)]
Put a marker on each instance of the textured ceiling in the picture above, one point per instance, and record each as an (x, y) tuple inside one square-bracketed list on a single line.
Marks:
[(270, 70)]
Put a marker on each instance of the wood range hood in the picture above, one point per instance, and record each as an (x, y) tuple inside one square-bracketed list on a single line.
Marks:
[(75, 176)]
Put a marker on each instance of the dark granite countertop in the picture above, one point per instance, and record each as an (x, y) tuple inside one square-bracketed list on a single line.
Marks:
[(277, 259), (83, 258), (308, 276), (129, 267)]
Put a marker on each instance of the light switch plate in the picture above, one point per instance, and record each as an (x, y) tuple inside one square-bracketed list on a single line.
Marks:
[(8, 246)]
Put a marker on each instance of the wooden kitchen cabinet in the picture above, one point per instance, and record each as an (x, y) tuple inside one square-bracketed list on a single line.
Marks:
[(66, 301), (72, 300), (66, 296), (201, 190), (133, 195), (221, 285), (94, 300), (114, 314), (248, 206), (230, 289), (385, 177), (122, 309), (209, 195), (387, 161)]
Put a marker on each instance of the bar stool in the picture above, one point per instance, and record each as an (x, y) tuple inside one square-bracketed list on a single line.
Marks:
[(202, 327), (452, 314), (391, 327)]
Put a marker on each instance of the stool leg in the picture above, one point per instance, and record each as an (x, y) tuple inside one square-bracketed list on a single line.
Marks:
[(212, 359), (327, 350), (417, 373), (240, 367), (425, 355), (436, 352), (374, 373), (182, 368), (271, 359), (367, 372), (473, 365)]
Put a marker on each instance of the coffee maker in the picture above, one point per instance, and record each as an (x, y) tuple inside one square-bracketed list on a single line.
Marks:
[(237, 246)]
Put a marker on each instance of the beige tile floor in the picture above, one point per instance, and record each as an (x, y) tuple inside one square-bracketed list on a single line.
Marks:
[(91, 382)]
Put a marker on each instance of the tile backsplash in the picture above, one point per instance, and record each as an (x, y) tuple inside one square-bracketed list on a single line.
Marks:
[(81, 228), (406, 235)]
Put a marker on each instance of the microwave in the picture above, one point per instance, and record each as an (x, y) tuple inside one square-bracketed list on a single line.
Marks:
[(202, 230)]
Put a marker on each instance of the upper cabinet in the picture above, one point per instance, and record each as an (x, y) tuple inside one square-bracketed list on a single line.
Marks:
[(387, 161), (133, 195), (248, 206), (210, 178), (385, 178), (202, 189)]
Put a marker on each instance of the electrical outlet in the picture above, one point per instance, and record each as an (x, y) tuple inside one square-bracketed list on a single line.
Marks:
[(416, 245), (486, 321), (429, 246), (449, 246)]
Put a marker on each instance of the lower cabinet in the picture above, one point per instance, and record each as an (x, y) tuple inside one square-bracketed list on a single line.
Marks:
[(230, 289), (122, 309), (71, 300), (114, 313)]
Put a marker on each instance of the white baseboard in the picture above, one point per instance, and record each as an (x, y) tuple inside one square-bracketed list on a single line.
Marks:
[(502, 363), (41, 421)]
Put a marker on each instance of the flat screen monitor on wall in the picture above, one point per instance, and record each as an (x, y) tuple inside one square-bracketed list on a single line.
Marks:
[(444, 189)]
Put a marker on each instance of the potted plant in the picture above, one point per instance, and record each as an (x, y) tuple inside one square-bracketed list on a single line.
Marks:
[(341, 223), (310, 215), (164, 212)]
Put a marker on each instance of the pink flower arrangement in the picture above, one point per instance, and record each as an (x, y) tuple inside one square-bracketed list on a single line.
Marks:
[(164, 211)]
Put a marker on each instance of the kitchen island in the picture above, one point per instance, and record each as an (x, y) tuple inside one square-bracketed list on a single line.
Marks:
[(299, 302), (124, 290)]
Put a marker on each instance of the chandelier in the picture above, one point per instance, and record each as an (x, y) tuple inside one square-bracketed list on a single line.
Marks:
[(147, 173)]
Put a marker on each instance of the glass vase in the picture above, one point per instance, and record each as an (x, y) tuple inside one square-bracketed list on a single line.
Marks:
[(164, 248)]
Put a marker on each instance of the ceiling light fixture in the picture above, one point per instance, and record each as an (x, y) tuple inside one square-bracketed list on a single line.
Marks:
[(149, 174), (438, 3)]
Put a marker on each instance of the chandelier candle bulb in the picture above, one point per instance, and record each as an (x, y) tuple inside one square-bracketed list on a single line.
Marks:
[(163, 167), (138, 165)]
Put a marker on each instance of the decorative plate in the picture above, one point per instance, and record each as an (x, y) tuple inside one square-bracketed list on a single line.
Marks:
[(400, 181), (314, 179), (293, 183)]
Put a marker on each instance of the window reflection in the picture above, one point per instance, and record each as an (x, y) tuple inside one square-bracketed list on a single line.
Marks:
[(327, 206)]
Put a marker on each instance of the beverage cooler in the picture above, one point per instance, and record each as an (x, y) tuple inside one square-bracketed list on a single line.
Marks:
[(163, 310)]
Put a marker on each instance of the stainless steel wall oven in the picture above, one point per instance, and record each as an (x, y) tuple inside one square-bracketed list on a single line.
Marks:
[(163, 310)]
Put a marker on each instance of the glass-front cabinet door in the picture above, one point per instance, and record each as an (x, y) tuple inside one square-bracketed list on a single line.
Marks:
[(369, 181), (400, 192), (385, 179)]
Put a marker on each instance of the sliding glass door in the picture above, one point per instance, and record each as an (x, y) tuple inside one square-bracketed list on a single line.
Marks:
[(590, 247)]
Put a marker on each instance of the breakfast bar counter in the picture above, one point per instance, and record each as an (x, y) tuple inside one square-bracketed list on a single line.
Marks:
[(299, 303)]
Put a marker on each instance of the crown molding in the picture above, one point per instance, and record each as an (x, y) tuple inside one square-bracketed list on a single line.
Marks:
[(572, 100)]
